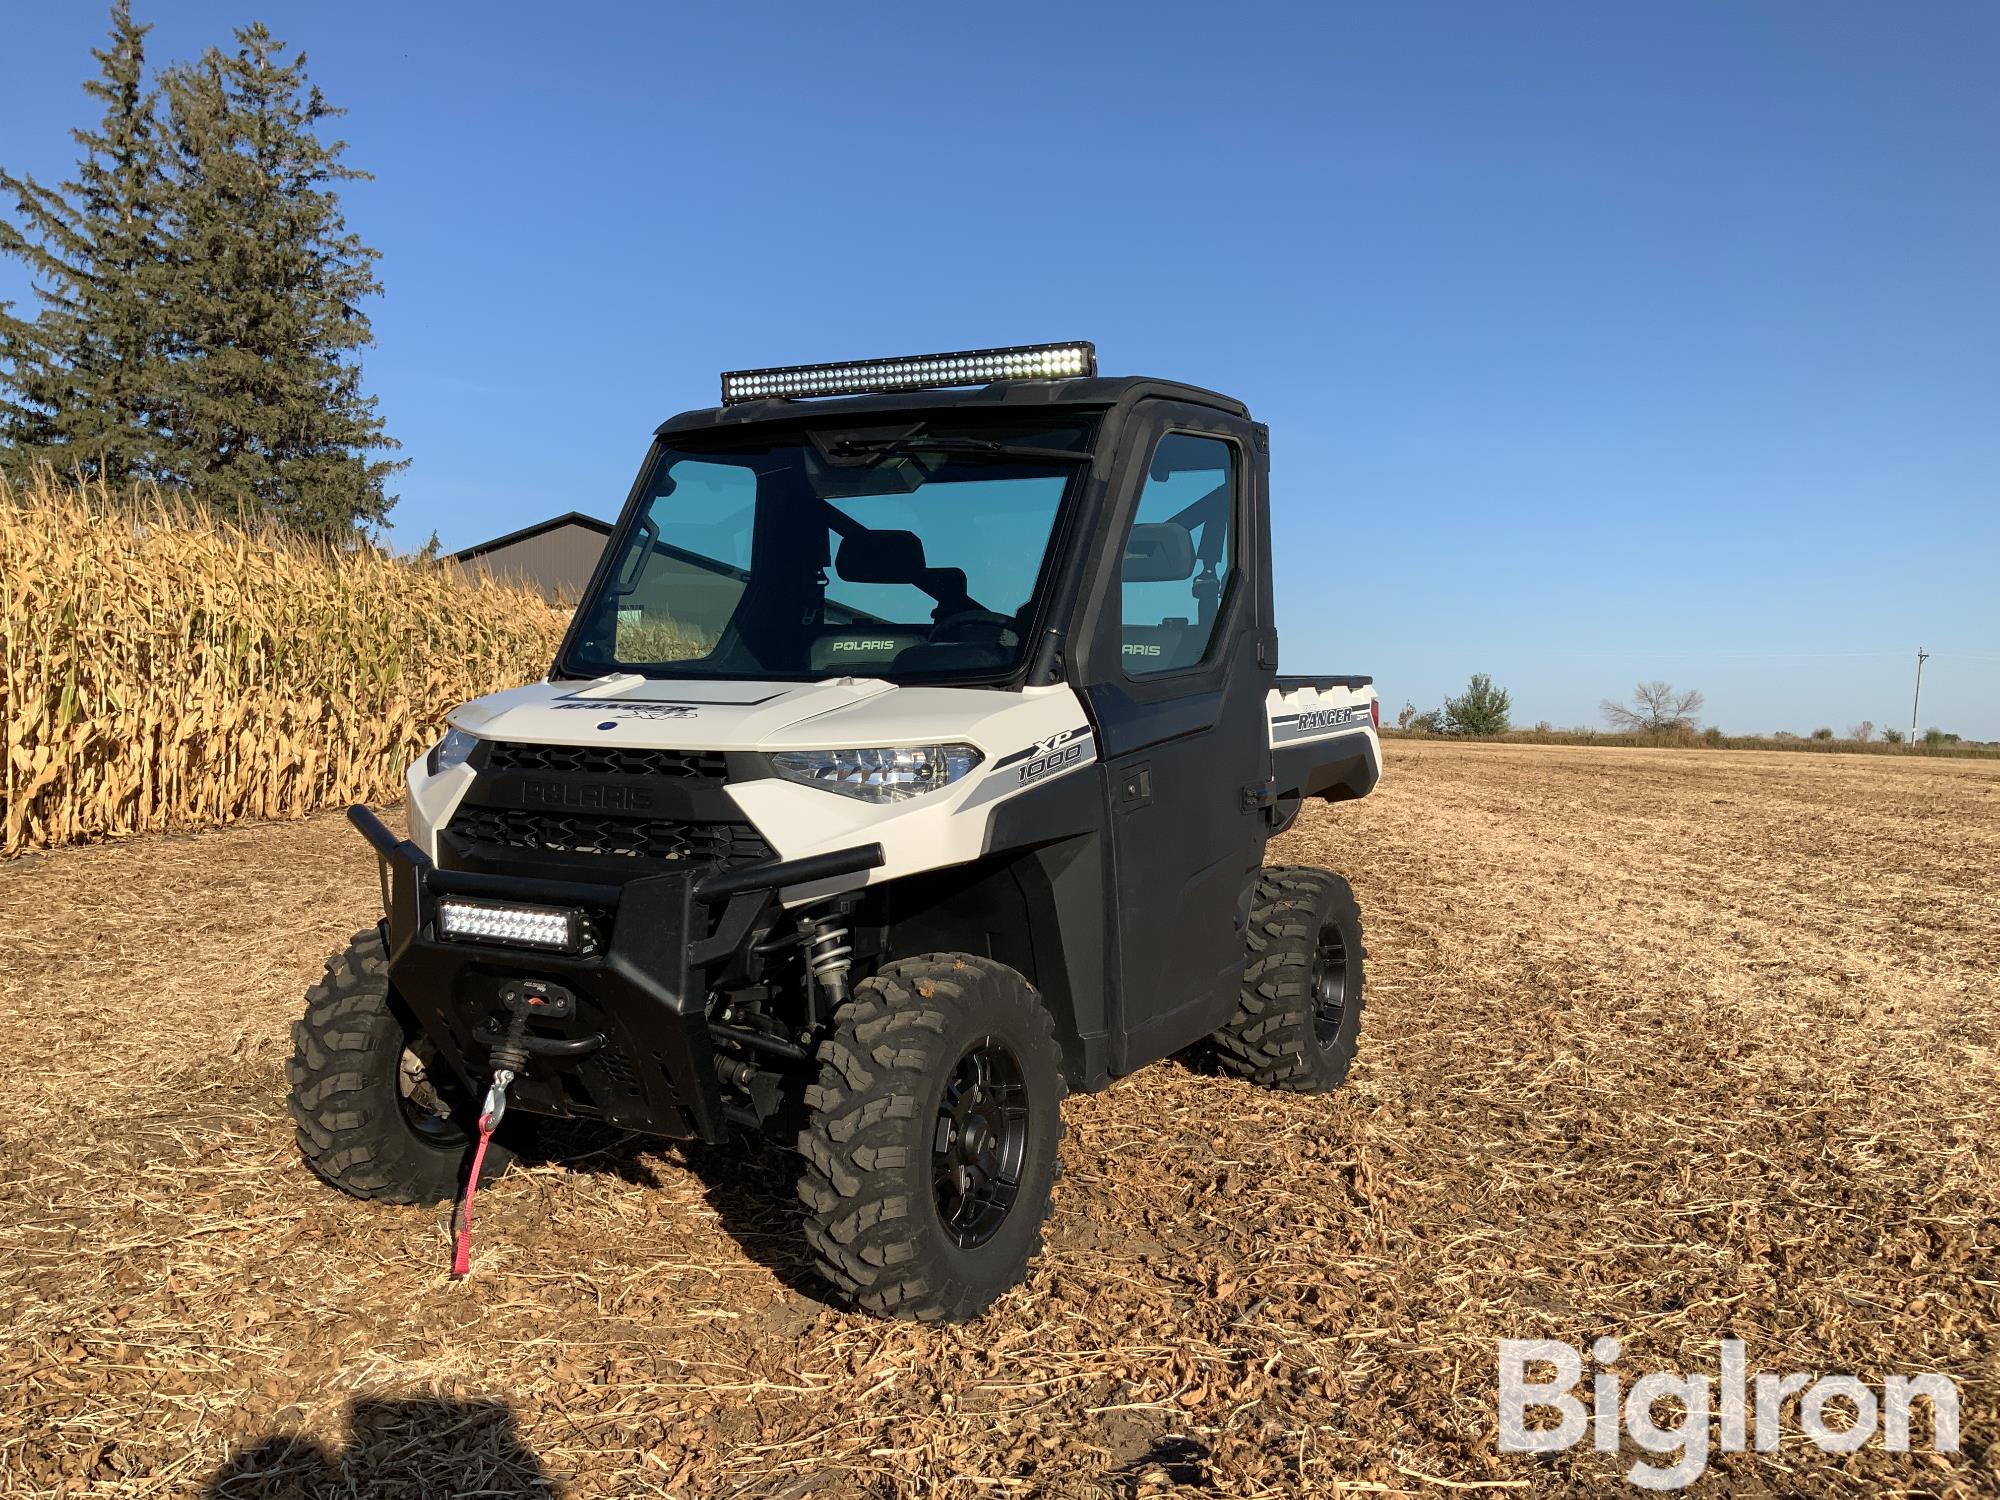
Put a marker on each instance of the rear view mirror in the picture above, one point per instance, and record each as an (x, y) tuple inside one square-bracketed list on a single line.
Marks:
[(853, 479), (1158, 552), (1184, 453), (880, 557)]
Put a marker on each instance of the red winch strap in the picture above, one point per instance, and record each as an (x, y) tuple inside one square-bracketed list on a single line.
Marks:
[(461, 1255)]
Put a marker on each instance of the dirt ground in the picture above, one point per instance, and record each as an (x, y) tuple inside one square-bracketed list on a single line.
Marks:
[(1667, 1046)]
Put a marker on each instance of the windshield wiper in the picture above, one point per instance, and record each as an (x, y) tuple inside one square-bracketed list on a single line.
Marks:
[(969, 447)]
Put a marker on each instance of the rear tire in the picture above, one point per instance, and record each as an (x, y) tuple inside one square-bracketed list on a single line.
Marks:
[(375, 1118), (1298, 1016), (930, 1138)]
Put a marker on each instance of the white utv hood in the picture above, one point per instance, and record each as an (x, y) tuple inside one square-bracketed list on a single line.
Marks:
[(643, 712), (1024, 738)]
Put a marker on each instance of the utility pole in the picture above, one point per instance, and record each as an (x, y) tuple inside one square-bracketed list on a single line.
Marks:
[(1922, 656)]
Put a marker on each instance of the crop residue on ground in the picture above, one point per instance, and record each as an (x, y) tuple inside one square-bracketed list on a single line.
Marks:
[(1667, 1046)]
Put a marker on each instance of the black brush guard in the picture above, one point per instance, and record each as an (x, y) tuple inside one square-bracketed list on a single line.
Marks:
[(637, 1051)]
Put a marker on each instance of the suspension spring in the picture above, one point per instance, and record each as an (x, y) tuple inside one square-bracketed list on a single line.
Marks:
[(828, 951)]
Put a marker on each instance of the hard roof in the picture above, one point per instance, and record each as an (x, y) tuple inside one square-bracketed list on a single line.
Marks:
[(1095, 392), (572, 518)]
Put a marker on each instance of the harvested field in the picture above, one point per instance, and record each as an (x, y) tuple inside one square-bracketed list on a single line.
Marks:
[(1667, 1046)]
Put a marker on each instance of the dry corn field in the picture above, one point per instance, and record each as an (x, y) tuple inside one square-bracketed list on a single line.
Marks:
[(1668, 1046), (165, 670)]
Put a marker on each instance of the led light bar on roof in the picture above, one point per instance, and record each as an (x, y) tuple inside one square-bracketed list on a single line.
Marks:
[(911, 372)]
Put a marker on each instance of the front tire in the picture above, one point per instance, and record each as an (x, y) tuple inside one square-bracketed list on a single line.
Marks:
[(930, 1138), (377, 1117), (1298, 1015)]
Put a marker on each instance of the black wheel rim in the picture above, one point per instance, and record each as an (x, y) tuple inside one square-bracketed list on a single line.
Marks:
[(424, 1108), (1329, 986), (980, 1142)]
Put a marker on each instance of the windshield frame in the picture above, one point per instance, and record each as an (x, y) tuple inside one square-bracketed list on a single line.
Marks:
[(823, 430)]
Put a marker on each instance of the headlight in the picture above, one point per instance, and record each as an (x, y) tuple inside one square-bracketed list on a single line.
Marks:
[(450, 751), (889, 775)]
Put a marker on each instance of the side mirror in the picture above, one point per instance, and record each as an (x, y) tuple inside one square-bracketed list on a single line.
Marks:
[(636, 561), (1158, 552)]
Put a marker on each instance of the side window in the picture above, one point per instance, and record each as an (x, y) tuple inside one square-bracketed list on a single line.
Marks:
[(1178, 553), (681, 598)]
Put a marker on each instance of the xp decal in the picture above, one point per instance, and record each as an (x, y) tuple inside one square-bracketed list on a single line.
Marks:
[(1058, 752), (1052, 756)]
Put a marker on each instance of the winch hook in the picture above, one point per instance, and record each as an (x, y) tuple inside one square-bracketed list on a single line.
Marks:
[(509, 1056)]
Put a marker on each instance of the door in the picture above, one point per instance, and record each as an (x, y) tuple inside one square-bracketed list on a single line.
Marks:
[(1180, 712)]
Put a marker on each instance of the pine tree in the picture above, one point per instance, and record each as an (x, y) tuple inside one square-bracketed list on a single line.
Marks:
[(78, 383), (264, 291)]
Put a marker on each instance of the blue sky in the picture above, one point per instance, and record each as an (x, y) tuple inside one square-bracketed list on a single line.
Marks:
[(1597, 341)]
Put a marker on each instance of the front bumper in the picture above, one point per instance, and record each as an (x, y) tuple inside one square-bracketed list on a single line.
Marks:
[(636, 1050)]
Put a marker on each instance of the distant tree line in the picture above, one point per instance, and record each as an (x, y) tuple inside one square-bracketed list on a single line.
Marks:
[(1656, 708), (1481, 709), (201, 296), (1656, 712)]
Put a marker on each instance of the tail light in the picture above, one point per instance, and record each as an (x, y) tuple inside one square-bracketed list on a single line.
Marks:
[(1375, 713)]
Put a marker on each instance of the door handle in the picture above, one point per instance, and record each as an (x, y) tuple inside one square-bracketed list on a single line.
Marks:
[(1135, 786)]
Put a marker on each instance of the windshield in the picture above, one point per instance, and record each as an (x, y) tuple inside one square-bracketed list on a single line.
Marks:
[(914, 553)]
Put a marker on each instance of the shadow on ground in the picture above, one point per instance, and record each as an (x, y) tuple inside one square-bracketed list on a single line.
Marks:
[(585, 1146), (751, 1184), (404, 1446), (748, 1180)]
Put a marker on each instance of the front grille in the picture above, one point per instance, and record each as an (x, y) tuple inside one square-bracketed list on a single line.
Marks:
[(606, 760), (591, 835)]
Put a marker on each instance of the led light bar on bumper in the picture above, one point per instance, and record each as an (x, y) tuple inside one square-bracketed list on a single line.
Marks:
[(888, 775), (553, 929), (912, 372)]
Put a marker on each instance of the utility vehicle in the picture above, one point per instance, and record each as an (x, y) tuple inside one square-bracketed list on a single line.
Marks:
[(909, 762)]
